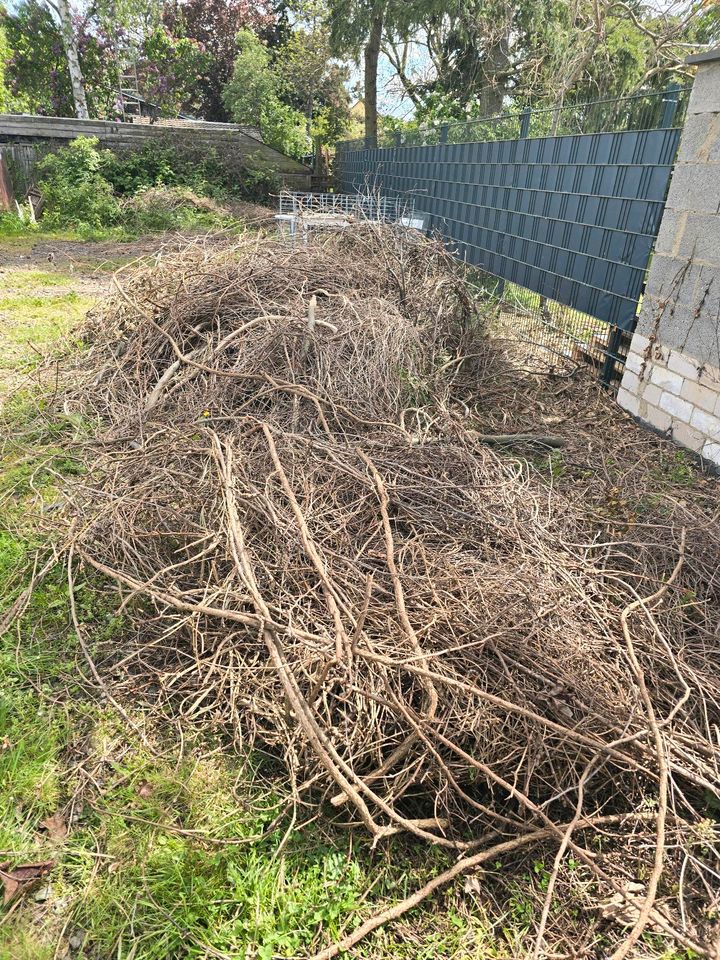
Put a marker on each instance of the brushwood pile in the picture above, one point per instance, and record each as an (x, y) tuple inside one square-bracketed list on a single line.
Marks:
[(318, 549)]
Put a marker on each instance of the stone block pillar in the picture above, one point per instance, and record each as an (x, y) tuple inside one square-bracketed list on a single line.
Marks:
[(672, 374)]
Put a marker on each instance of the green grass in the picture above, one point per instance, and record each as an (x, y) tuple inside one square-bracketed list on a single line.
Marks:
[(37, 312), (18, 236), (43, 318)]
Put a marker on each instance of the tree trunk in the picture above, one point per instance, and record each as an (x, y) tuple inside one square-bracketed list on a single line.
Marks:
[(372, 53), (73, 60)]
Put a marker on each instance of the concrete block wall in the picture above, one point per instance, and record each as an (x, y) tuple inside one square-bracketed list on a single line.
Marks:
[(672, 375)]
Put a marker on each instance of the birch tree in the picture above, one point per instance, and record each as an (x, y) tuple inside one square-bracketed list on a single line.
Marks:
[(64, 14)]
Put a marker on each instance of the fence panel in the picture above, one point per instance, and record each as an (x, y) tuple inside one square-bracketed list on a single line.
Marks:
[(571, 217)]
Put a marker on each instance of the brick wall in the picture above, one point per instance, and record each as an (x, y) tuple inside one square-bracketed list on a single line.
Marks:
[(672, 375)]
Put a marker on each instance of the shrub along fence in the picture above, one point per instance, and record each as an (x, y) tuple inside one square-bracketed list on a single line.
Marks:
[(557, 210)]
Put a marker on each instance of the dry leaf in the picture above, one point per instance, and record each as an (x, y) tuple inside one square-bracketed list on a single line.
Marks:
[(55, 827), (18, 880), (472, 884), (619, 909)]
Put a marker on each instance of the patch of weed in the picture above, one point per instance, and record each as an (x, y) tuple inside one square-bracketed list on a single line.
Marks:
[(677, 468), (32, 318)]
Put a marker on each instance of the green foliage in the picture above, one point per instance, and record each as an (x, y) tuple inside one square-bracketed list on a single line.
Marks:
[(37, 73), (284, 128), (159, 163), (215, 25), (8, 102), (83, 186), (677, 467), (171, 71), (253, 97), (12, 226), (74, 188), (489, 56), (312, 83), (200, 169)]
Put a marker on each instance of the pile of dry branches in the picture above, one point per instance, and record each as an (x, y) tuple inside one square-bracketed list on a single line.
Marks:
[(286, 484)]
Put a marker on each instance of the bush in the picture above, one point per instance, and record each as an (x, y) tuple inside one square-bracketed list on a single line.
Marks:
[(172, 208), (86, 188), (12, 225), (74, 189), (161, 163), (166, 163)]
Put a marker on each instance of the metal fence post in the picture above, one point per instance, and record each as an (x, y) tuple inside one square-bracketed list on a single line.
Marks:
[(670, 102), (525, 123), (611, 356), (398, 138), (444, 133)]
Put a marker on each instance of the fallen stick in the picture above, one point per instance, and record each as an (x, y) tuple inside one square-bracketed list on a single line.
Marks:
[(510, 439), (662, 759)]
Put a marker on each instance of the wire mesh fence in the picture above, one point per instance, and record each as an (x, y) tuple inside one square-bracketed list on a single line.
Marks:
[(369, 205), (549, 337), (651, 110)]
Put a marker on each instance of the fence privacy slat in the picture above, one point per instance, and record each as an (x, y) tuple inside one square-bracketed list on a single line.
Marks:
[(572, 217)]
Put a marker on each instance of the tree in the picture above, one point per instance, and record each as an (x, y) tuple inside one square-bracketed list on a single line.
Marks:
[(312, 83), (484, 55), (215, 26), (357, 30), (67, 29), (7, 100), (253, 97), (171, 70), (37, 70)]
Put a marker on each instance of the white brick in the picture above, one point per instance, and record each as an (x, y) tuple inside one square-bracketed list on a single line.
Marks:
[(685, 366), (704, 397), (678, 408), (658, 418), (711, 451), (628, 401), (639, 343), (688, 436), (709, 424), (710, 375), (652, 394), (631, 382), (667, 380), (634, 362)]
